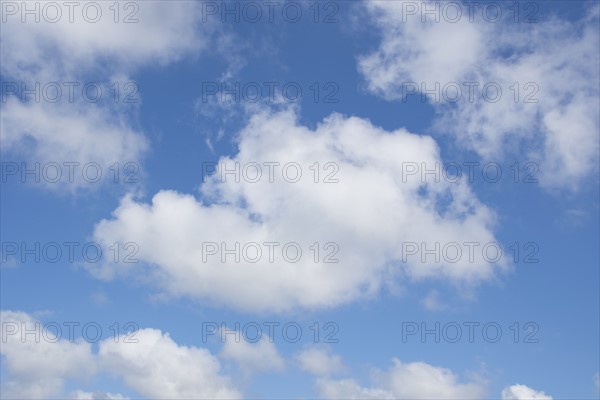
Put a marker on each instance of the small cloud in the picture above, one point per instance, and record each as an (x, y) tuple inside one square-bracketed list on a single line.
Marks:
[(432, 301), (251, 357), (81, 395), (8, 261), (522, 392), (320, 362), (573, 218), (99, 298), (41, 314)]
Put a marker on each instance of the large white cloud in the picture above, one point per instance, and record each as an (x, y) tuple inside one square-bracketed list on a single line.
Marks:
[(66, 124), (371, 212), (415, 380), (156, 32), (522, 392), (95, 138), (154, 366), (157, 367), (36, 367), (559, 57)]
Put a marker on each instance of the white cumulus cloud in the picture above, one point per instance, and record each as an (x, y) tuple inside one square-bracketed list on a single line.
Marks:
[(319, 361), (416, 380), (252, 357), (81, 395), (522, 392), (369, 215), (554, 63), (65, 50), (154, 366), (38, 363), (157, 33), (70, 143), (157, 367)]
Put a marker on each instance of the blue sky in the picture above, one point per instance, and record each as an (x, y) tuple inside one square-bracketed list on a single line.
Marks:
[(164, 216)]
